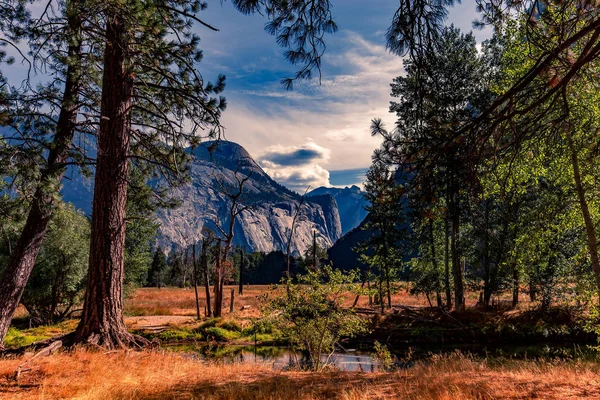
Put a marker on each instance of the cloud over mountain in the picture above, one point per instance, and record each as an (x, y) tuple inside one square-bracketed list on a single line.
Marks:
[(296, 167)]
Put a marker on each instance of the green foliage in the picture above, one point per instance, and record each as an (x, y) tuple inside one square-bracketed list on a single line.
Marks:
[(383, 356), (311, 316), (141, 232), (221, 334), (58, 276), (230, 326), (15, 338), (385, 249), (156, 273)]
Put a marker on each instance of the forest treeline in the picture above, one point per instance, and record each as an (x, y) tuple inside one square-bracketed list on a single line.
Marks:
[(495, 144), (488, 181)]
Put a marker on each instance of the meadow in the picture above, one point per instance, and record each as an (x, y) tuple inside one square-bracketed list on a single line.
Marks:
[(169, 315)]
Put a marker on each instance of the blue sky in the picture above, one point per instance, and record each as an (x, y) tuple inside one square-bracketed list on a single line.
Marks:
[(317, 134)]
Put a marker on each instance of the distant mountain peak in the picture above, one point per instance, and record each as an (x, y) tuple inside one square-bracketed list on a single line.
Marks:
[(262, 227), (351, 204), (265, 225)]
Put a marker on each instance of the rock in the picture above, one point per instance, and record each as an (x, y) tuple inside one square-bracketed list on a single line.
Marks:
[(351, 204), (264, 226)]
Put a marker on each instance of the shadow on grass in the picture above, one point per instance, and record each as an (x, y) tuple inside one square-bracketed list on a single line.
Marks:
[(327, 385)]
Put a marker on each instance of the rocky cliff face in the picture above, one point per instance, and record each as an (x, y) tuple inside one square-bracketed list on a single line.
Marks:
[(264, 225), (351, 205)]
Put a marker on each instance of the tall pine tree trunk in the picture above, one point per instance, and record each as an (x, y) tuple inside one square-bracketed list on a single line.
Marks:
[(218, 308), (204, 264), (195, 280), (102, 321), (459, 300), (590, 229), (487, 276), (438, 294), (447, 263), (515, 283), (22, 259)]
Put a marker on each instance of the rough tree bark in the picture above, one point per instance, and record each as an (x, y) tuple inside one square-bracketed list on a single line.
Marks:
[(219, 279), (23, 257), (515, 283), (438, 294), (102, 321)]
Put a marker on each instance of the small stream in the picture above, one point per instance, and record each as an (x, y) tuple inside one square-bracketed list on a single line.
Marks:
[(283, 358)]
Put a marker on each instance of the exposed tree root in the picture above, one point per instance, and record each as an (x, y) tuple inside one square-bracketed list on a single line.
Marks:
[(46, 351), (93, 341), (123, 340)]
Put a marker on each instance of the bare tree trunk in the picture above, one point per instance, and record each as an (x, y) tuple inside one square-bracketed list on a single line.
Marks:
[(362, 285), (102, 321), (447, 264), (217, 311), (438, 294), (204, 262), (381, 301), (22, 259), (232, 303), (314, 255), (487, 284), (242, 267), (590, 230), (515, 282), (195, 280), (459, 299)]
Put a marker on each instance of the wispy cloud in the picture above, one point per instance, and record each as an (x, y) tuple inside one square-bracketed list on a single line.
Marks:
[(327, 124)]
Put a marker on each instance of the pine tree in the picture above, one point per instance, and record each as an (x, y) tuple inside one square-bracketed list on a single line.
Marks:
[(157, 268), (58, 46), (385, 249), (439, 94)]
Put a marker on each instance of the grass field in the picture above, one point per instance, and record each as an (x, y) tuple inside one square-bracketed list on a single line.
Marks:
[(176, 301), (162, 375)]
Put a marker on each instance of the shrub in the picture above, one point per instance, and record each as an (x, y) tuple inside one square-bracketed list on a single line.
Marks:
[(383, 356), (311, 316), (230, 326), (220, 334)]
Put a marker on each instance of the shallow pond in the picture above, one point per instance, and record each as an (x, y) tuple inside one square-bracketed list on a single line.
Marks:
[(282, 358)]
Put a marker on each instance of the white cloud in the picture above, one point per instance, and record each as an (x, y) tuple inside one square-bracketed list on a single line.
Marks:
[(299, 178), (296, 167), (336, 114)]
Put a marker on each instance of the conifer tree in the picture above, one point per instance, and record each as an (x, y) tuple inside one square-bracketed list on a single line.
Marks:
[(157, 268), (384, 250), (56, 40)]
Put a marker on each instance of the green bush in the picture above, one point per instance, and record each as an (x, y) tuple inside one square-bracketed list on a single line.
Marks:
[(311, 314), (230, 326), (209, 323), (220, 334)]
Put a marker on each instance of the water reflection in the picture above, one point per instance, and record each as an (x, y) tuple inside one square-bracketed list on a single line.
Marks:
[(282, 358)]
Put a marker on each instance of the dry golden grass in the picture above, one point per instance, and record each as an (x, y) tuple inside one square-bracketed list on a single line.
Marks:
[(146, 375), (182, 302), (176, 301)]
